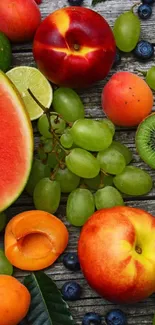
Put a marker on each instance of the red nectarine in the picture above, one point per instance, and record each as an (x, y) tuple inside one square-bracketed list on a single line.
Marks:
[(117, 253), (19, 19), (74, 47), (126, 99)]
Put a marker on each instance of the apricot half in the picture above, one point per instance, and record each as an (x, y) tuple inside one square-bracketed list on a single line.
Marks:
[(34, 240)]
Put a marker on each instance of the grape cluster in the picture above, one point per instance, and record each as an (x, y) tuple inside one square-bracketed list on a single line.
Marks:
[(78, 156)]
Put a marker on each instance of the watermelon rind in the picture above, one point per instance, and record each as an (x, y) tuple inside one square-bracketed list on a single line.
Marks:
[(21, 109)]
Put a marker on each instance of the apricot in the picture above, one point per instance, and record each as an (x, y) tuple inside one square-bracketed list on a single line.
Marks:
[(34, 240), (15, 300), (126, 99)]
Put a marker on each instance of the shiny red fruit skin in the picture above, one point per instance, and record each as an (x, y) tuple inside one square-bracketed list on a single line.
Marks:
[(108, 257), (55, 41), (19, 19)]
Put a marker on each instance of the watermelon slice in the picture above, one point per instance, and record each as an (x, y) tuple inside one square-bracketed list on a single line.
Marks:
[(16, 143)]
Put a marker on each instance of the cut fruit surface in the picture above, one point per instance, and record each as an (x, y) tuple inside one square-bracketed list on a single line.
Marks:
[(34, 240), (16, 143), (25, 78), (145, 136)]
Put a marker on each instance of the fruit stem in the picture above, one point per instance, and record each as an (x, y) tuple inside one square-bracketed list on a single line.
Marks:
[(76, 47), (45, 109), (144, 73), (104, 173), (135, 5), (101, 180), (57, 140), (54, 173)]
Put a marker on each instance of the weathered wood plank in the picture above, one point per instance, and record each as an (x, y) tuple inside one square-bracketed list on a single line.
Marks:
[(138, 314)]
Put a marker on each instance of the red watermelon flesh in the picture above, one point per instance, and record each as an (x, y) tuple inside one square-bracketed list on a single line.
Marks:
[(16, 143)]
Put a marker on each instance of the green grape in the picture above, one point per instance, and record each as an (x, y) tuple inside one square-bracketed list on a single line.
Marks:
[(127, 31), (111, 161), (99, 181), (91, 135), (5, 266), (93, 183), (108, 180), (82, 163), (46, 195), (108, 197), (58, 124), (48, 145), (43, 126), (41, 153), (3, 220), (80, 206), (68, 104), (55, 156), (38, 171), (133, 181), (110, 125), (150, 77), (68, 181), (124, 150), (66, 140)]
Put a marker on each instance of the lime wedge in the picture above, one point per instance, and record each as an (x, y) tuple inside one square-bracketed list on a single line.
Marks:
[(25, 78)]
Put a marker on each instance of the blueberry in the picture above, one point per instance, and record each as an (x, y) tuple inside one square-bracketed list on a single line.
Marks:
[(144, 11), (71, 261), (144, 50), (71, 291), (116, 317), (148, 2), (117, 58), (75, 2), (91, 319)]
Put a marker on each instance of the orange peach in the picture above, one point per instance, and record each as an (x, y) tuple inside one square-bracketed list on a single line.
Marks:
[(34, 240), (15, 300), (126, 99)]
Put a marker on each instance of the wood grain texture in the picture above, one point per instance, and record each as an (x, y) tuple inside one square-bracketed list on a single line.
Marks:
[(138, 314)]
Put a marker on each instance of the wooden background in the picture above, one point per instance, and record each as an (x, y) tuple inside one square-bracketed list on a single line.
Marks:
[(141, 313)]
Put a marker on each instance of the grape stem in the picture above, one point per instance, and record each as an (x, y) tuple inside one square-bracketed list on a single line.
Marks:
[(54, 173), (46, 111), (135, 5), (101, 180), (57, 140), (104, 173)]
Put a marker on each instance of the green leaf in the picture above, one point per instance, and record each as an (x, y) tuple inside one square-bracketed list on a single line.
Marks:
[(94, 2), (47, 306)]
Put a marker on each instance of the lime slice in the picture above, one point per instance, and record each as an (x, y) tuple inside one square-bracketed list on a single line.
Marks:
[(5, 53), (25, 78)]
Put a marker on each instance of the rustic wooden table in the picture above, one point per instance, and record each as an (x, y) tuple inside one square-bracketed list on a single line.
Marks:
[(141, 313)]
